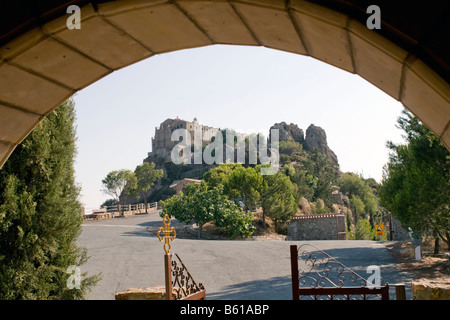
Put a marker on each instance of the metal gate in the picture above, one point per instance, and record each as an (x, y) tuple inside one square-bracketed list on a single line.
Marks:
[(318, 276)]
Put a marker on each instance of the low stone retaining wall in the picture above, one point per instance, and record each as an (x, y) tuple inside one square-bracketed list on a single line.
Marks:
[(317, 227), (426, 289), (151, 293), (110, 215), (98, 216), (113, 211)]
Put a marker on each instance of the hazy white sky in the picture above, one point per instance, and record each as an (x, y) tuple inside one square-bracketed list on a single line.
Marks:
[(244, 88)]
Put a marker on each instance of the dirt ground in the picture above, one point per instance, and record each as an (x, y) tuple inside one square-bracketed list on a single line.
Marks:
[(429, 267)]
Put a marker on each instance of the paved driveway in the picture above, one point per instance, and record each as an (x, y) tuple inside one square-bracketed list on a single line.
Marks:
[(131, 257)]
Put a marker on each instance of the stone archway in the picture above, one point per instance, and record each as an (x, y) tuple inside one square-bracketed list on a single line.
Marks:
[(42, 62)]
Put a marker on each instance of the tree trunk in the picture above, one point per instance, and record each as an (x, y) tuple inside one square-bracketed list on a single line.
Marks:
[(264, 220), (445, 237), (447, 240), (145, 201), (437, 240), (200, 227)]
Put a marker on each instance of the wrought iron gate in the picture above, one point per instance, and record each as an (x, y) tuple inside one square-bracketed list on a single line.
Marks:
[(182, 285), (318, 276)]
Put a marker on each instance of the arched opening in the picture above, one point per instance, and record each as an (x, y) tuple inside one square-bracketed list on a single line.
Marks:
[(247, 89), (48, 63)]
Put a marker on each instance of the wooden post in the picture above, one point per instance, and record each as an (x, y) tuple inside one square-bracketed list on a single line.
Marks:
[(391, 230), (400, 292), (294, 272), (168, 275)]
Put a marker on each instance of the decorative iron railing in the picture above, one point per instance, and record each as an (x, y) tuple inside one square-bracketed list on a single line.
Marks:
[(317, 275), (183, 285), (180, 285)]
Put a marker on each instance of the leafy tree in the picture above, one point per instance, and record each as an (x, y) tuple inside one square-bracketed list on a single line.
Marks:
[(364, 230), (304, 181), (358, 205), (116, 181), (277, 200), (146, 175), (216, 176), (108, 203), (352, 184), (40, 215), (244, 184), (312, 171), (289, 147), (202, 204), (318, 166), (239, 183), (361, 193), (350, 235), (320, 207), (415, 185), (284, 159), (175, 171), (370, 204)]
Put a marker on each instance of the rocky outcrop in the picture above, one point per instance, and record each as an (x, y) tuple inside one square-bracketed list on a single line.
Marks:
[(316, 138), (288, 132), (162, 144)]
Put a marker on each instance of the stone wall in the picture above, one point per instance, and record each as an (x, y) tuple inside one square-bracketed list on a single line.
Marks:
[(398, 233), (153, 293), (126, 211), (426, 289), (317, 227)]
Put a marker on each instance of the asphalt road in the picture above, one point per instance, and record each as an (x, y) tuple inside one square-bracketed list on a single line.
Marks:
[(129, 256)]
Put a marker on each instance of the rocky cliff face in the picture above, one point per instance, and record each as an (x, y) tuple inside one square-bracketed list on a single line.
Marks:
[(316, 138), (288, 132)]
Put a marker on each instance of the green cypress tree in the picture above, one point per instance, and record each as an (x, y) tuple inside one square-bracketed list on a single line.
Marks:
[(40, 214)]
